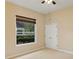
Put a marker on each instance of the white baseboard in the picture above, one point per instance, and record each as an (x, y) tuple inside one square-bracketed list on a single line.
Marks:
[(17, 55), (66, 51)]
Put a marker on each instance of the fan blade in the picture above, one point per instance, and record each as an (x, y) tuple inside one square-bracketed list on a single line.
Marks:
[(43, 2), (54, 2)]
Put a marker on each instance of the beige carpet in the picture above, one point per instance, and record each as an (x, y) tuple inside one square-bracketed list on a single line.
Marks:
[(46, 54)]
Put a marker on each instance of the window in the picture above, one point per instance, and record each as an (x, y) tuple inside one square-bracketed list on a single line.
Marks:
[(25, 30)]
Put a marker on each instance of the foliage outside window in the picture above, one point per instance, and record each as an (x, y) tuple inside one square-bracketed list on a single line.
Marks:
[(25, 30)]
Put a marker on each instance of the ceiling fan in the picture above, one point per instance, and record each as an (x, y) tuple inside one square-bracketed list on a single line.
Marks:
[(48, 2)]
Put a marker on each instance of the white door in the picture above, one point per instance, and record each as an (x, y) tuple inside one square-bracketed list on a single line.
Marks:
[(51, 35)]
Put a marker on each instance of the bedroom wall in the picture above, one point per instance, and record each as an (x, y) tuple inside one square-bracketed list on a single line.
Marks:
[(11, 48), (64, 19)]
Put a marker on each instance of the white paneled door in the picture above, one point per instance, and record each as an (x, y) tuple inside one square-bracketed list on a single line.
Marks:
[(51, 32)]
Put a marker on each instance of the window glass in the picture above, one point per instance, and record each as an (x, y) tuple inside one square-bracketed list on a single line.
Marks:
[(25, 32)]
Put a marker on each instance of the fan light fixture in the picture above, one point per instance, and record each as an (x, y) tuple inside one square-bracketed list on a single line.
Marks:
[(48, 2)]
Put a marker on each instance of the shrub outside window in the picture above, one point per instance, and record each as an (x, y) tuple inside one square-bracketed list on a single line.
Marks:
[(25, 30)]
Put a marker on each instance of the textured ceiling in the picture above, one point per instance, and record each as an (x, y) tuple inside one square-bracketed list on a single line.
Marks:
[(42, 8)]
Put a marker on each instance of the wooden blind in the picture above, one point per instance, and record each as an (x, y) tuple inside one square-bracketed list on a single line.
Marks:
[(25, 19)]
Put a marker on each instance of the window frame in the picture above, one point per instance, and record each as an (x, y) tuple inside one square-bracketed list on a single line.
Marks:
[(35, 32)]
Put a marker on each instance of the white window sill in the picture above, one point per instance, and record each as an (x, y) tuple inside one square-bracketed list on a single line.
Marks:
[(26, 44)]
